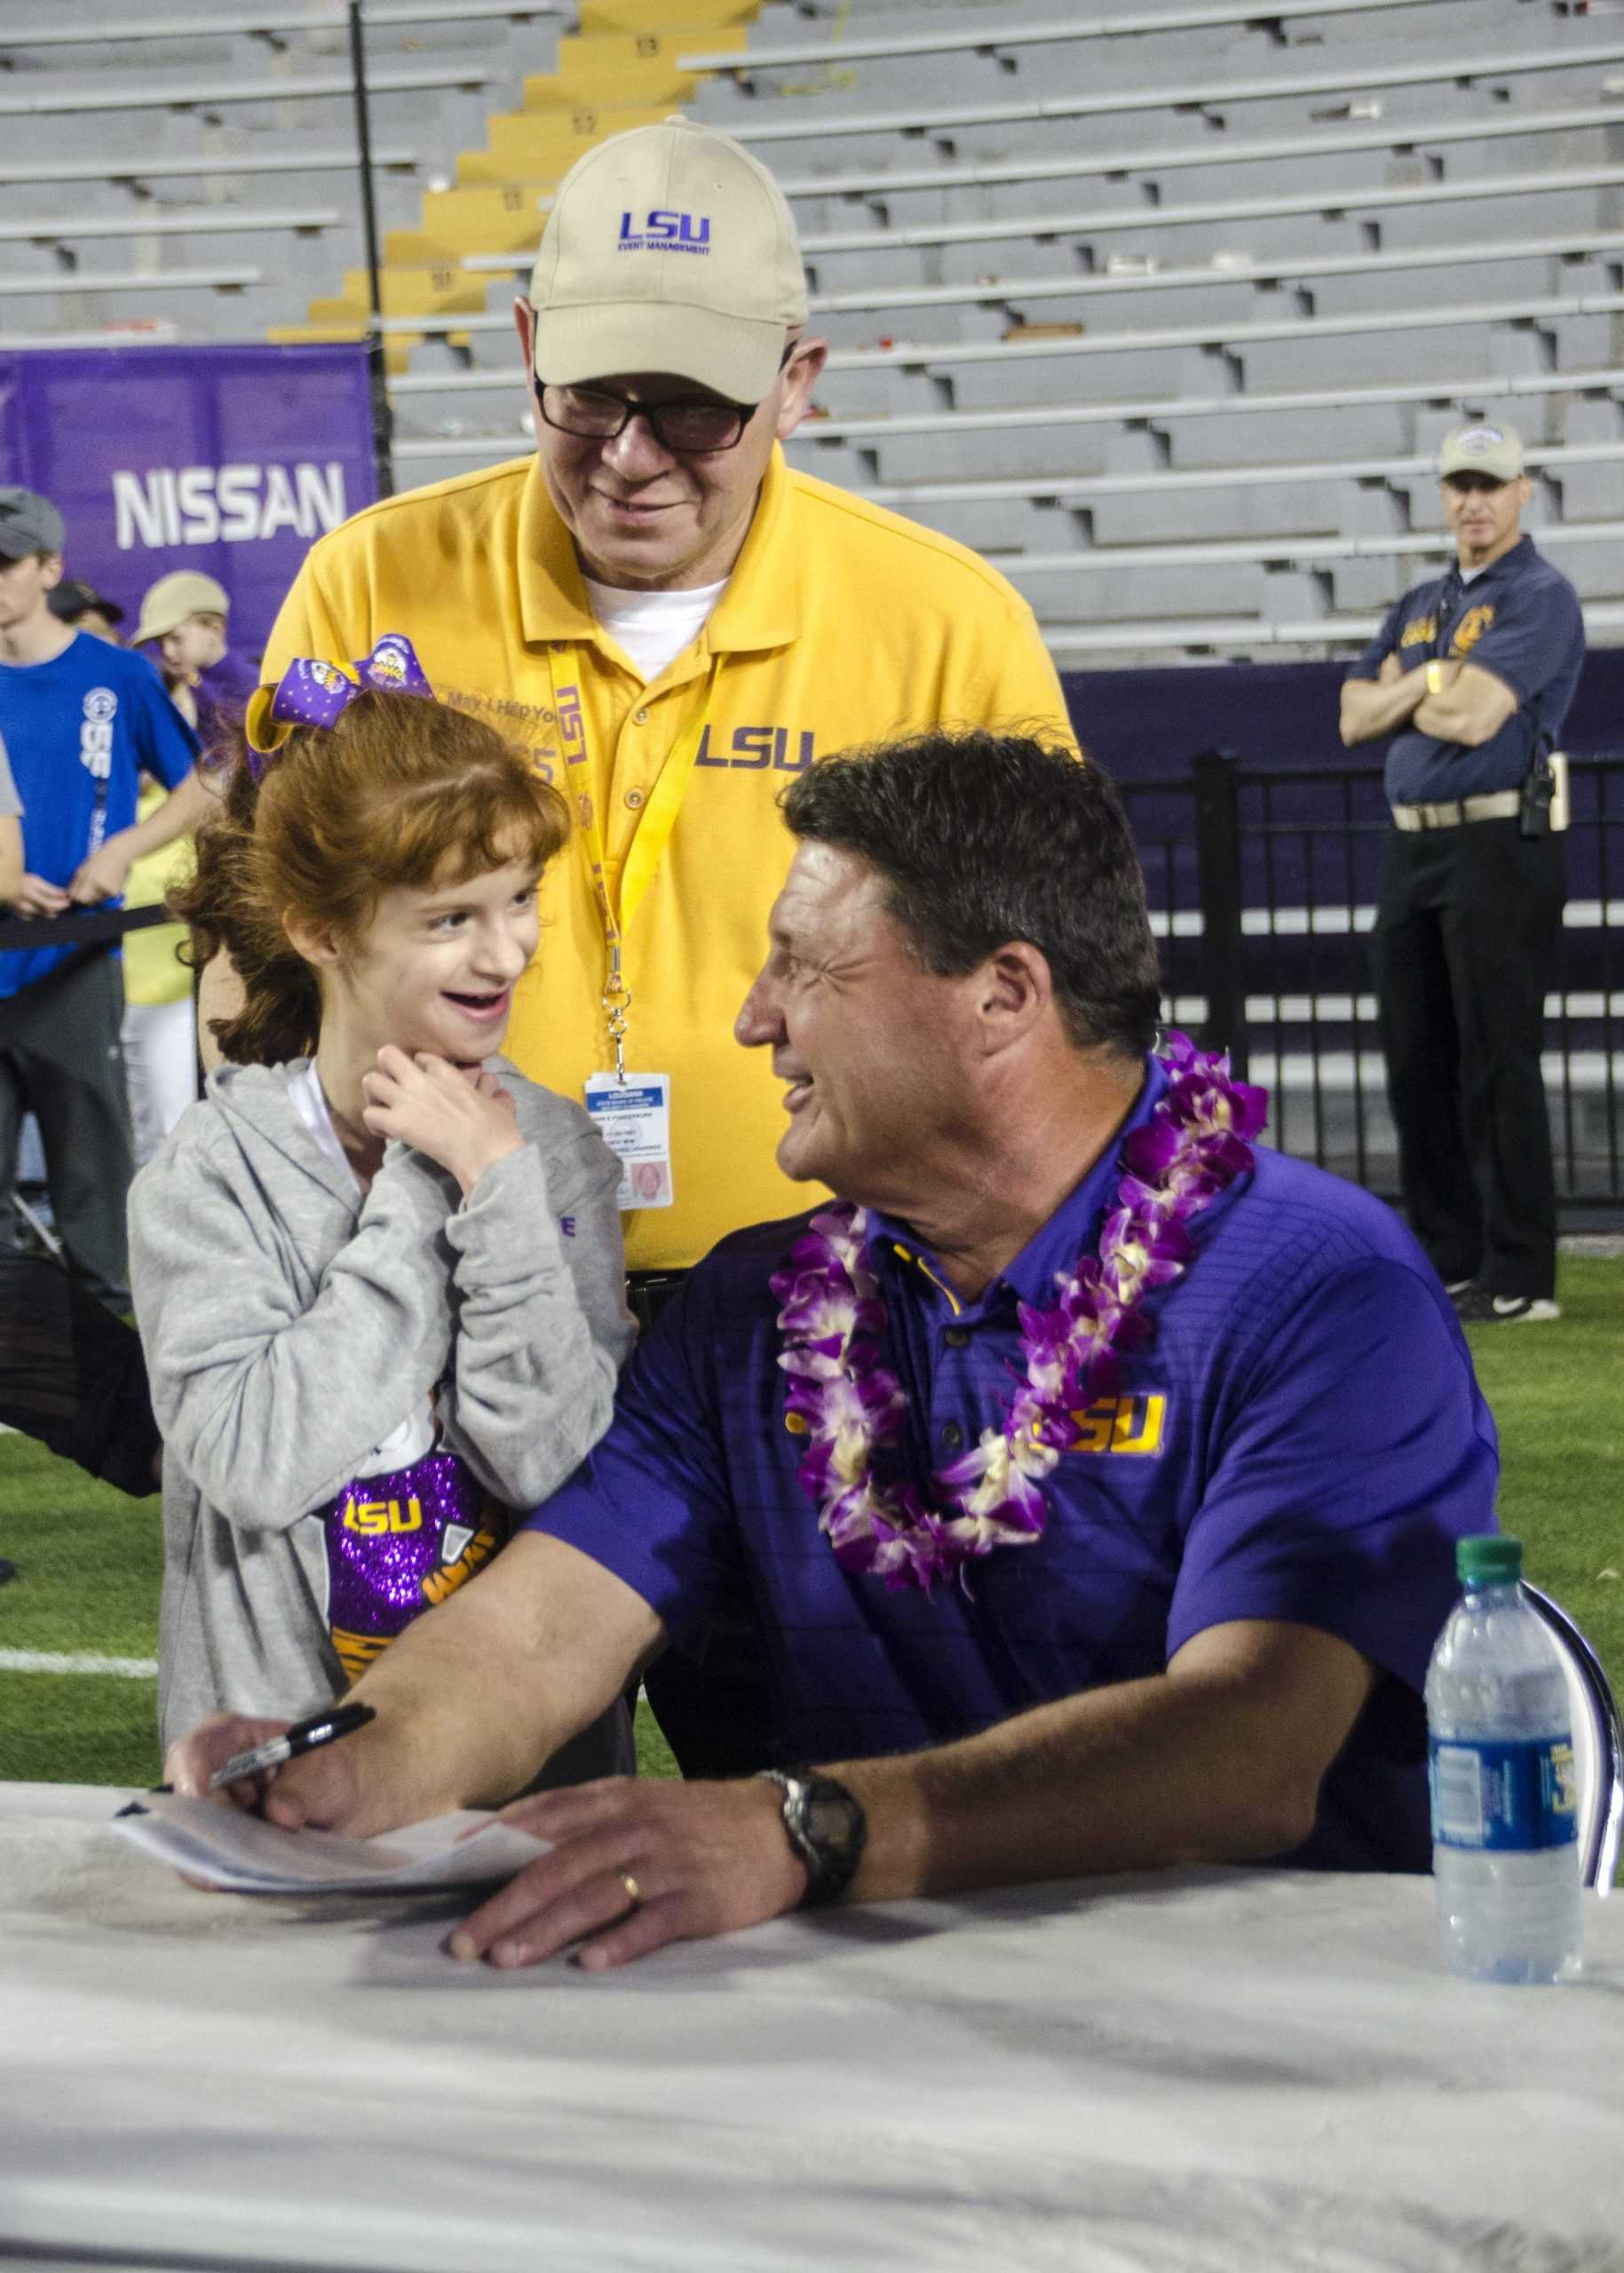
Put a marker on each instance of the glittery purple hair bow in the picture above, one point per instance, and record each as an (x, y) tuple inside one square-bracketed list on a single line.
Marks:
[(312, 694)]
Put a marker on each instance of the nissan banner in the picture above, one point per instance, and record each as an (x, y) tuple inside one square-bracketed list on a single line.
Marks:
[(231, 460)]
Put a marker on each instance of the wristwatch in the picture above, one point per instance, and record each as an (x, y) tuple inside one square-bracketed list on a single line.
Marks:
[(1434, 676), (826, 1825)]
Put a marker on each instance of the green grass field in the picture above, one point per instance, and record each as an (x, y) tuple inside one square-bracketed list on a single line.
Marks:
[(89, 1559)]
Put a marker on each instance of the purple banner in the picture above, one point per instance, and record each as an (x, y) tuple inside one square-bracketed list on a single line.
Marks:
[(231, 460)]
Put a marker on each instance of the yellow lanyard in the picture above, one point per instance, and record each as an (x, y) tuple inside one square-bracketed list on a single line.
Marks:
[(586, 785)]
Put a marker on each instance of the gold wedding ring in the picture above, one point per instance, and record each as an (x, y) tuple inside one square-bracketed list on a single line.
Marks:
[(634, 1893)]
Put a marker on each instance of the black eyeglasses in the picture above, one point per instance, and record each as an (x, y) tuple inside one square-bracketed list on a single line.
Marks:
[(689, 425)]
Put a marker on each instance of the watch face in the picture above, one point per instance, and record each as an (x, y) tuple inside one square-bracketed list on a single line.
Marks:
[(829, 1819), (826, 1825)]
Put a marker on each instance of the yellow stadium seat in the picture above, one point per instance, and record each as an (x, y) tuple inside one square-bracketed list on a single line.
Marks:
[(618, 71), (543, 144), (419, 291), (612, 73), (688, 16), (490, 217)]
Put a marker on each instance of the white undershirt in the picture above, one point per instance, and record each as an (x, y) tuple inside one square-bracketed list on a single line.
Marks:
[(416, 1434), (654, 627), (310, 1102)]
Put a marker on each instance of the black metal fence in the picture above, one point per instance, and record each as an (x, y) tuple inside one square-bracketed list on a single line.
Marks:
[(1262, 888)]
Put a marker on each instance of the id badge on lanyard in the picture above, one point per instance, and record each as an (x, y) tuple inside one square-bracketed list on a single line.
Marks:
[(631, 1112)]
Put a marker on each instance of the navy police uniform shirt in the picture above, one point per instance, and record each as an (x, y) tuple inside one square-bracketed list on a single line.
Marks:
[(1520, 619), (1302, 1440), (78, 730)]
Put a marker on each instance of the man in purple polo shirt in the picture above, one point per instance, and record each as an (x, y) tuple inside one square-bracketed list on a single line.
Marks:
[(1104, 1518)]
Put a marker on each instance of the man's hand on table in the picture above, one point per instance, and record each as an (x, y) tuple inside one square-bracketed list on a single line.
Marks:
[(636, 1865), (703, 1859)]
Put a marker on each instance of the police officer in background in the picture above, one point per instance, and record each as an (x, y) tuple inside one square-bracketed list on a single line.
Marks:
[(1471, 675)]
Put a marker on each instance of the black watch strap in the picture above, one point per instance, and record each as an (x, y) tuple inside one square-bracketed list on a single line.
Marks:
[(826, 1825)]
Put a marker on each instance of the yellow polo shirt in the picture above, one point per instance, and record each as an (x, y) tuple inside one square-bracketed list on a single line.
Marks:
[(841, 624), (154, 972)]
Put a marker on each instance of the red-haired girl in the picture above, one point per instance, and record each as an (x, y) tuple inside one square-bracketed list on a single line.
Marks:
[(380, 1289)]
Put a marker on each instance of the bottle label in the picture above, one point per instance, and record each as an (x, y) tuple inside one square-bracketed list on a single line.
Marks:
[(1504, 1796)]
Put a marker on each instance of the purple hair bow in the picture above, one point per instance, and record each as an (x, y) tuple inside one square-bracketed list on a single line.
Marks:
[(312, 694)]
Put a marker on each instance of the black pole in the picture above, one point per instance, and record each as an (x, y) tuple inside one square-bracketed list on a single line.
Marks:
[(383, 422), (1218, 853)]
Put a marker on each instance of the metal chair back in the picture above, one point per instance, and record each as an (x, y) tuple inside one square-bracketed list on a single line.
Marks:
[(1598, 1745)]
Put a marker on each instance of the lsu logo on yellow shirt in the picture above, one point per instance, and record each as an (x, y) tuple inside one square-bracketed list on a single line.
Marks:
[(1123, 1424)]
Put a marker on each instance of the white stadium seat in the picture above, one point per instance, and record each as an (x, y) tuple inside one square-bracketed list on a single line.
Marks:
[(1136, 297)]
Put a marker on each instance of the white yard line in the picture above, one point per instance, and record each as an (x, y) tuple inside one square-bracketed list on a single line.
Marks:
[(50, 1661)]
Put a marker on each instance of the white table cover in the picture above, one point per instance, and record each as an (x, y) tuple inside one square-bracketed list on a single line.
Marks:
[(1218, 2072)]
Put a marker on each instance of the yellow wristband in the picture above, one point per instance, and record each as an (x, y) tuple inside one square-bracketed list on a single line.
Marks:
[(1435, 677)]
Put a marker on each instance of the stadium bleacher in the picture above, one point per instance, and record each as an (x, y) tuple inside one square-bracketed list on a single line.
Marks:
[(1112, 296)]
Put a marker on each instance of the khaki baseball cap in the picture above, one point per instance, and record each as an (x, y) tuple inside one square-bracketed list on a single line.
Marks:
[(1494, 450), (166, 604), (669, 249)]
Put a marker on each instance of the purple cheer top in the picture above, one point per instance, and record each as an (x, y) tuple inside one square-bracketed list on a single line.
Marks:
[(398, 1543)]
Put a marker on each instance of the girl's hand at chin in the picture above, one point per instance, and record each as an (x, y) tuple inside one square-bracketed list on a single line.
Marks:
[(461, 1116)]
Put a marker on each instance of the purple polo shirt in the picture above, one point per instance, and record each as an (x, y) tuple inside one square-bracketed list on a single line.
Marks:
[(1519, 619), (1302, 1439), (223, 695)]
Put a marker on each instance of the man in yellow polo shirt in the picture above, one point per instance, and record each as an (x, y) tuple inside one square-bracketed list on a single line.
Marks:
[(675, 625)]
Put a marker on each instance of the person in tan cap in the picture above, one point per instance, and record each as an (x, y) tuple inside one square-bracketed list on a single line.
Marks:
[(676, 626), (1471, 675), (183, 619)]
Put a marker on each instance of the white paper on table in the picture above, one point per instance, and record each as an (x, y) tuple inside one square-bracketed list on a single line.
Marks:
[(242, 1854)]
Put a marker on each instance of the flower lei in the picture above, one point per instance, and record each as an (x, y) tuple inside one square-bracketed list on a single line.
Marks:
[(847, 1403)]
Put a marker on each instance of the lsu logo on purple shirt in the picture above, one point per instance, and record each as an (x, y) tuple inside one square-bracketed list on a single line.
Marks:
[(1121, 1424), (664, 232)]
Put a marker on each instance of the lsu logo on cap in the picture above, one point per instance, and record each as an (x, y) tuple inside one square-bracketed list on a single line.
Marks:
[(663, 232), (1479, 441)]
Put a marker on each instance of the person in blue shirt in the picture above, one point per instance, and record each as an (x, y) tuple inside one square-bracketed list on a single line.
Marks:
[(1471, 675), (1095, 1471), (11, 833), (80, 719)]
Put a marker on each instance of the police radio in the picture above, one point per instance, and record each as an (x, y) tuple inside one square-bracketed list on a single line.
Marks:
[(1543, 809)]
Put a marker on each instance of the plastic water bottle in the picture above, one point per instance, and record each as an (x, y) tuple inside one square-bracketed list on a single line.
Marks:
[(1505, 1816)]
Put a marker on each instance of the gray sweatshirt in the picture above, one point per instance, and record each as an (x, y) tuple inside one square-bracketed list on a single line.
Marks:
[(292, 1326)]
